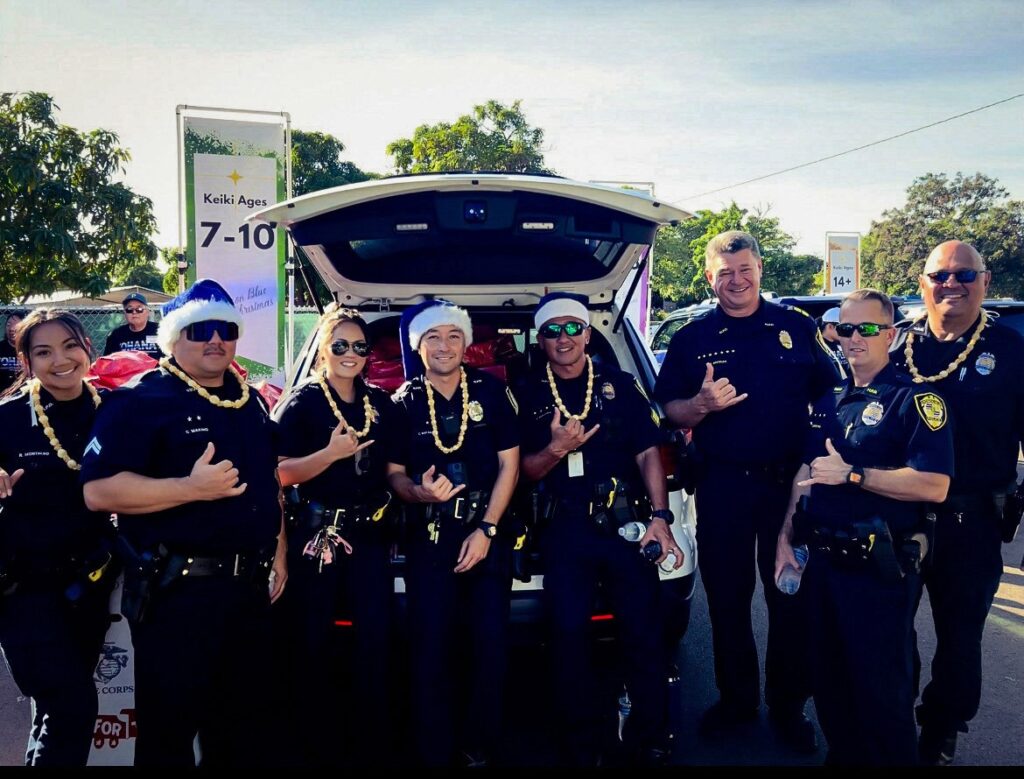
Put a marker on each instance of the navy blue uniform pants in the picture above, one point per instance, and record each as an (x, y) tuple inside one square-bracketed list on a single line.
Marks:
[(962, 580), (740, 513), (576, 556), (52, 649), (203, 659), (458, 642), (326, 730), (861, 642)]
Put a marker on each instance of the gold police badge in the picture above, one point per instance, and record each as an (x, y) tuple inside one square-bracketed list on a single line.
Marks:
[(608, 391), (476, 411), (872, 413), (932, 410), (785, 339)]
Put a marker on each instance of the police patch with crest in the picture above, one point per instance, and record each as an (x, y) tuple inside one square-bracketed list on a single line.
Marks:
[(872, 413), (932, 410), (985, 364)]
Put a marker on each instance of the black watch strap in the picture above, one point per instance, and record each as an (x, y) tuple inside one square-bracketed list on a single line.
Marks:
[(665, 514), (489, 528), (855, 476)]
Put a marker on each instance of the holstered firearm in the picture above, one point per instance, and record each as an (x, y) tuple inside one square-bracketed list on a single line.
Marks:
[(689, 465), (1011, 508), (99, 566), (143, 574)]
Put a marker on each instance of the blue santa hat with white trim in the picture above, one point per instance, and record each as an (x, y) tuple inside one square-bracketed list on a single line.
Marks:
[(418, 319), (206, 299), (556, 304)]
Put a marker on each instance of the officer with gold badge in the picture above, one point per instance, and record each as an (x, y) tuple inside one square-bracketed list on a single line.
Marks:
[(454, 458), (879, 445), (590, 442), (978, 366), (742, 377)]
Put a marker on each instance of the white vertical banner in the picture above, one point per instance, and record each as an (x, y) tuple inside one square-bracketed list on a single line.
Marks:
[(233, 168), (113, 741), (842, 262)]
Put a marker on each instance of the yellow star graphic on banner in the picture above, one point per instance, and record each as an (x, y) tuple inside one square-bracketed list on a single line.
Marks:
[(235, 176)]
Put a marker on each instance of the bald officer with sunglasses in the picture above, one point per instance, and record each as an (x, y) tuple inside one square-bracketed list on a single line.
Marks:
[(878, 446), (187, 458), (977, 365), (590, 443)]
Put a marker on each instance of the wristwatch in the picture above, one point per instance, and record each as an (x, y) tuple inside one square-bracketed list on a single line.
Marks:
[(855, 476), (665, 514), (489, 528)]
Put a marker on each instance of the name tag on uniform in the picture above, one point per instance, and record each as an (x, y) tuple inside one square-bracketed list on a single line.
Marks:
[(152, 339), (575, 464)]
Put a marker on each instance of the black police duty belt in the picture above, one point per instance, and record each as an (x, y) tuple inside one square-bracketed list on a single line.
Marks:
[(861, 545), (465, 509), (319, 515), (610, 504), (167, 566)]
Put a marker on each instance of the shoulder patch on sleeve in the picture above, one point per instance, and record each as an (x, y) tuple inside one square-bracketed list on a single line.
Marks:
[(800, 310), (931, 409)]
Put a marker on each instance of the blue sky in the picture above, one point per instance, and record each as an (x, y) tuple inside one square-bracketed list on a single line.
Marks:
[(690, 95)]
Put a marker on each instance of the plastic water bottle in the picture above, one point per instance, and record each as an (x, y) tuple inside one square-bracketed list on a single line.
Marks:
[(789, 579), (625, 707), (633, 531)]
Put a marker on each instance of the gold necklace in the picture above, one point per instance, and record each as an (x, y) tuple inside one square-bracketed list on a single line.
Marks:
[(464, 384), (908, 352), (367, 408), (166, 363), (558, 398), (44, 420)]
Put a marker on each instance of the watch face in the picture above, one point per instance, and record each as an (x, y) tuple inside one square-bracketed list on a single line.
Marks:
[(490, 530)]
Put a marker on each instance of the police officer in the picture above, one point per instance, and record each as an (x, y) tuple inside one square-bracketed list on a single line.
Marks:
[(455, 460), (55, 572), (138, 334), (200, 517), (9, 365), (978, 366), (742, 377), (334, 428), (880, 444), (590, 441), (829, 320)]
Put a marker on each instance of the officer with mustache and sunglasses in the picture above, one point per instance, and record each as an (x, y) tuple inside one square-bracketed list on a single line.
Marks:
[(978, 366), (878, 446), (187, 458), (590, 442)]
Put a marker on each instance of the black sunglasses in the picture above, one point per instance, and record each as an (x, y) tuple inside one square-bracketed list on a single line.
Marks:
[(203, 331), (866, 329), (138, 310), (553, 330), (341, 346), (965, 276)]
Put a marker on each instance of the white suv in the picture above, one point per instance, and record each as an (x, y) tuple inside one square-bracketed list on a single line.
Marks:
[(493, 244)]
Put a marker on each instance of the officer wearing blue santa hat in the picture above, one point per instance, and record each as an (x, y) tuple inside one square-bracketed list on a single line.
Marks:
[(590, 442), (186, 456), (455, 461)]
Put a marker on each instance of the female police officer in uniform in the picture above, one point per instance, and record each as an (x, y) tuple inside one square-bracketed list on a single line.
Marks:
[(455, 457), (333, 432), (54, 551)]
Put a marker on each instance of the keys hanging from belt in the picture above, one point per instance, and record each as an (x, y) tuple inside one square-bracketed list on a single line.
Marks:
[(433, 531), (321, 547)]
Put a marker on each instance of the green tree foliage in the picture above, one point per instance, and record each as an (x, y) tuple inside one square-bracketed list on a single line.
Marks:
[(145, 274), (974, 208), (169, 281), (317, 163), (494, 137), (679, 255), (65, 223)]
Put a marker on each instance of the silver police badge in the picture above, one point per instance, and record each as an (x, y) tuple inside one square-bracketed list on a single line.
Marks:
[(872, 413), (608, 391), (476, 411), (985, 364), (785, 339)]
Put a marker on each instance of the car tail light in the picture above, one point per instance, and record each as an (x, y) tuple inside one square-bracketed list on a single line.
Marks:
[(342, 623), (601, 617)]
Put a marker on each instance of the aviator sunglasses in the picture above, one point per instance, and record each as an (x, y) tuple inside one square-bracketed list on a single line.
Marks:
[(341, 346), (553, 330), (866, 329), (203, 331), (965, 276)]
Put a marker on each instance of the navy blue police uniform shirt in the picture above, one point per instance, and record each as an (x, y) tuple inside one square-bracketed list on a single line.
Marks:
[(628, 427), (158, 426), (491, 428), (776, 355), (891, 423), (9, 365), (306, 423), (985, 396), (124, 339), (45, 521)]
